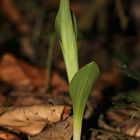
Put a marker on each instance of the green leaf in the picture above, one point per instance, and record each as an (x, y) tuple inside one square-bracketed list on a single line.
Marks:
[(74, 24), (80, 88), (66, 28)]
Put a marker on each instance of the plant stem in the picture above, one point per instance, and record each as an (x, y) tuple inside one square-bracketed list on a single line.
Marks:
[(49, 60), (77, 127)]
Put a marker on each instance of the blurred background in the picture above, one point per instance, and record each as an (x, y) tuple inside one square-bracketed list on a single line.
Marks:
[(108, 30)]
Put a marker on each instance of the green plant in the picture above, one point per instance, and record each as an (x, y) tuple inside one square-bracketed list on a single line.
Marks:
[(81, 81), (66, 29), (51, 40)]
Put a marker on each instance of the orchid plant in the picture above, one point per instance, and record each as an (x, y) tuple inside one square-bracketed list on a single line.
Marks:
[(80, 80)]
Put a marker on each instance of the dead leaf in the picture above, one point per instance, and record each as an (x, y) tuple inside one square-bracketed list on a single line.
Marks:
[(60, 131), (126, 120), (132, 128), (11, 72), (8, 136), (19, 73), (31, 119)]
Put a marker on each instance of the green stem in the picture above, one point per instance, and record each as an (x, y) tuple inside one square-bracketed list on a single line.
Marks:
[(49, 60), (77, 128)]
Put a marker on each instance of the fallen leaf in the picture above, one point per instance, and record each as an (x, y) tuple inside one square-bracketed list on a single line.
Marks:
[(11, 72), (8, 136), (60, 131), (21, 74), (32, 119)]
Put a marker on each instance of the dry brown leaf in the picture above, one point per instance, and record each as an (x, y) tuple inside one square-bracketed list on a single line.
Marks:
[(125, 120), (8, 136), (11, 72), (38, 77), (18, 73), (60, 131), (132, 128), (32, 119)]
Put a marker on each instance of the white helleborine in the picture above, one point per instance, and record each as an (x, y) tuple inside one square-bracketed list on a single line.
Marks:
[(81, 81)]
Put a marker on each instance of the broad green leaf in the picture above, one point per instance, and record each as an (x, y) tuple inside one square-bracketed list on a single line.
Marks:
[(80, 88), (65, 24)]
